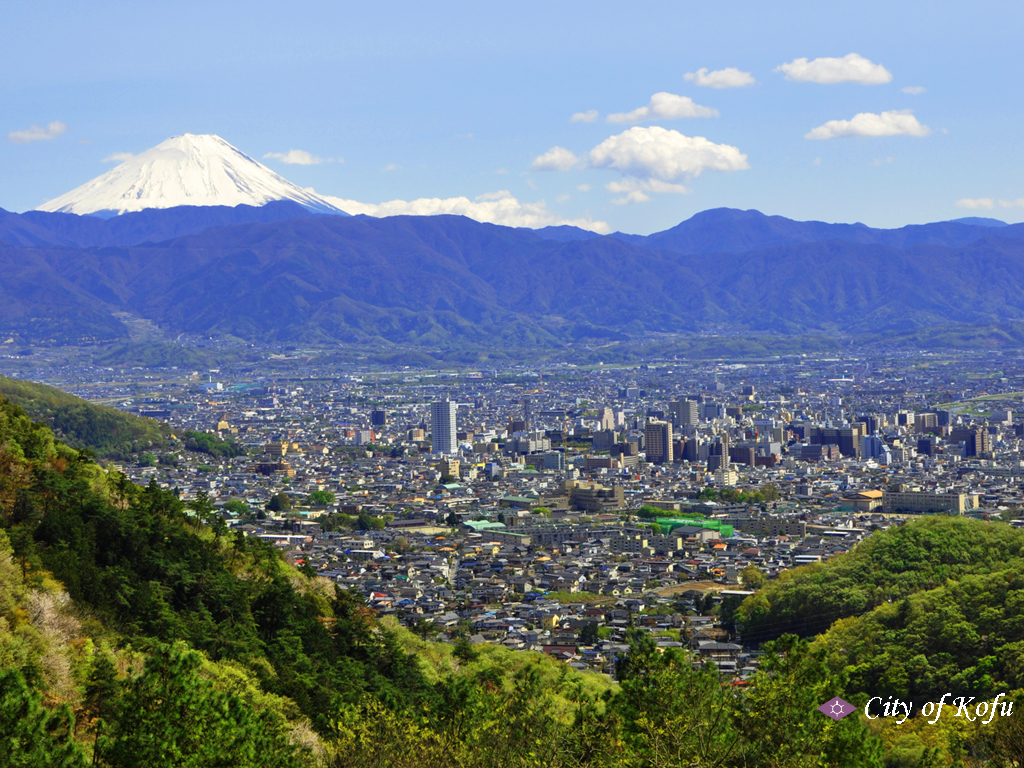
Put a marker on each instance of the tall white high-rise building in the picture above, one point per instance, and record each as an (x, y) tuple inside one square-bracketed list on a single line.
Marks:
[(442, 426)]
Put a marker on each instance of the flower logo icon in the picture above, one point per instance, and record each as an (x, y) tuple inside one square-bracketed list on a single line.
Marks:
[(836, 708)]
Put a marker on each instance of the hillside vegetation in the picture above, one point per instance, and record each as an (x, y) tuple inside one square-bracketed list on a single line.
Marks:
[(107, 432), (885, 568)]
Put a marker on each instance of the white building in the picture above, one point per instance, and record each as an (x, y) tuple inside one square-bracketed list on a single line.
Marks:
[(442, 427)]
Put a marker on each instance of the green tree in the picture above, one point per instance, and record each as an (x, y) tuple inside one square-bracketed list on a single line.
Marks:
[(752, 577), (778, 717), (279, 502), (367, 522), (425, 628), (32, 736), (170, 716), (236, 507), (589, 633), (672, 714), (320, 499)]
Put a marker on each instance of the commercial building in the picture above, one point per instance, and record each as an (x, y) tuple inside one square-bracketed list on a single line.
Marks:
[(913, 501), (658, 442), (684, 413), (442, 426), (976, 441), (593, 497)]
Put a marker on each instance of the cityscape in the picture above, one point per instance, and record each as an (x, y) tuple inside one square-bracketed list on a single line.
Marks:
[(552, 509)]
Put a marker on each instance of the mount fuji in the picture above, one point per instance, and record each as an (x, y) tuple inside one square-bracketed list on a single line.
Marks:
[(187, 170)]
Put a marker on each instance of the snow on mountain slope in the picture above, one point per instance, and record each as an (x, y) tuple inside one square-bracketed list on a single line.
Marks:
[(185, 170)]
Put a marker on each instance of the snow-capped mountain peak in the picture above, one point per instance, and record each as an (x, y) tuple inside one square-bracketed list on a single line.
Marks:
[(185, 170)]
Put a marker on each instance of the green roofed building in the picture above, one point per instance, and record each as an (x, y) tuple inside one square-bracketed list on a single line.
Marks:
[(669, 523), (481, 526)]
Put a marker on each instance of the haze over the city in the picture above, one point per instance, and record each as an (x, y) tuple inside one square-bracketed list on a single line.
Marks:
[(608, 117)]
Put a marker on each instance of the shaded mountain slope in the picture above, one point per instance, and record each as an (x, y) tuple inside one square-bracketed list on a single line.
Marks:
[(444, 279), (736, 231), (35, 228)]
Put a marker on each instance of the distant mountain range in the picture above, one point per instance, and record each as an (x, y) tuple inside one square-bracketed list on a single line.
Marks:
[(153, 225), (280, 272)]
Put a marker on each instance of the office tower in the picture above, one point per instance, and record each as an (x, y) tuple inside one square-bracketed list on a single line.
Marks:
[(604, 439), (871, 446), (378, 418), (718, 452), (713, 411), (658, 442), (607, 418), (684, 413), (442, 426), (691, 450), (975, 439), (743, 454)]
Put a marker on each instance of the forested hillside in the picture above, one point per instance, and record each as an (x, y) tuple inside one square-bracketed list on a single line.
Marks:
[(138, 631), (888, 567), (932, 606), (107, 432)]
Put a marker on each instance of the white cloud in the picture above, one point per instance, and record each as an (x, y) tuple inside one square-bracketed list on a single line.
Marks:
[(118, 157), (635, 189), (300, 157), (664, 106), (584, 117), (880, 161), (851, 68), (583, 187), (895, 123), (563, 198), (914, 90), (817, 161), (977, 203), (36, 133), (555, 159), (659, 153), (390, 167), (1018, 203), (493, 208), (730, 77)]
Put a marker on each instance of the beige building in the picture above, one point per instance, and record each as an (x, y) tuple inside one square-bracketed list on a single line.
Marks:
[(594, 497), (449, 467), (914, 501), (864, 501)]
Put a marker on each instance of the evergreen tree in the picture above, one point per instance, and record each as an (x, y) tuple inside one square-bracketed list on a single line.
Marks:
[(171, 717), (32, 736)]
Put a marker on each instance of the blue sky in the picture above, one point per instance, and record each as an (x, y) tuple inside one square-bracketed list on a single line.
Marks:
[(450, 100)]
